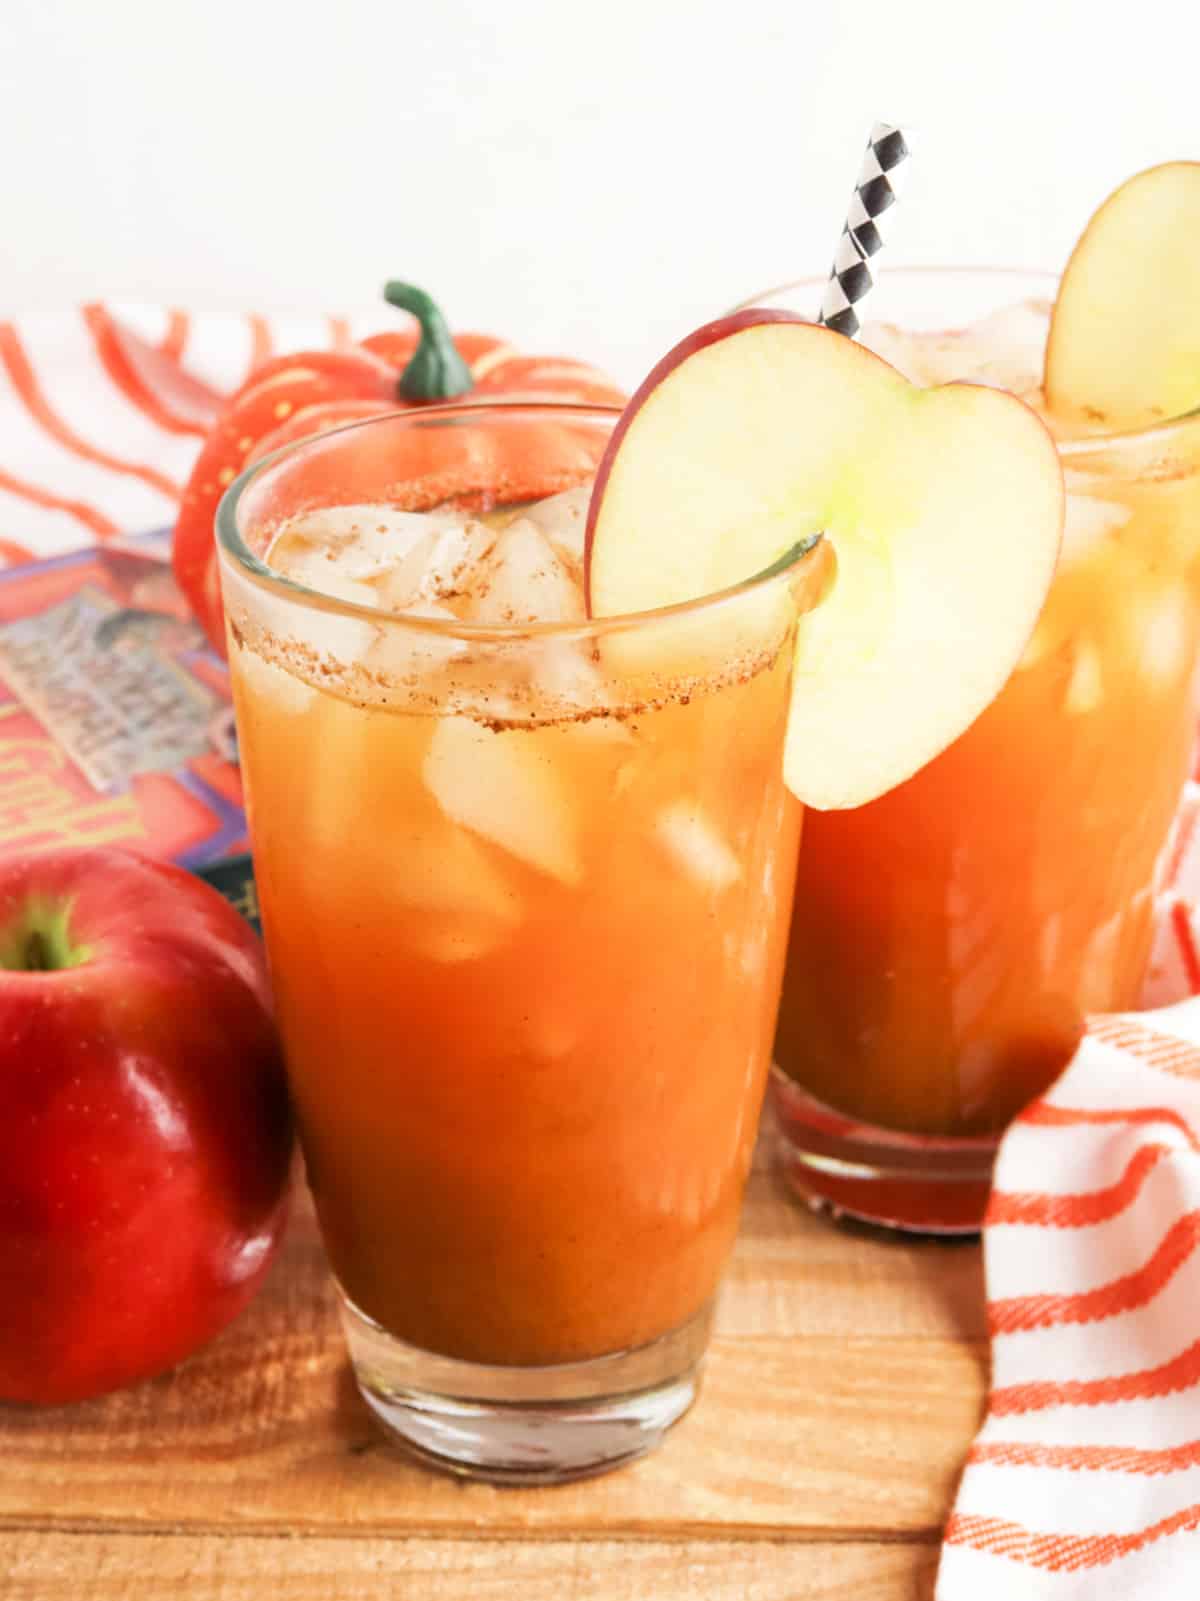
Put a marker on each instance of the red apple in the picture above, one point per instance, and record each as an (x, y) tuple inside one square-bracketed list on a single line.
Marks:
[(145, 1138)]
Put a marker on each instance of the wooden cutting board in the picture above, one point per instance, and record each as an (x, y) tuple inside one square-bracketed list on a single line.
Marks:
[(845, 1382)]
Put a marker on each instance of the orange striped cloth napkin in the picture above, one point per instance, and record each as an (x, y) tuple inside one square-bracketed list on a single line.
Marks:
[(102, 412), (1084, 1482)]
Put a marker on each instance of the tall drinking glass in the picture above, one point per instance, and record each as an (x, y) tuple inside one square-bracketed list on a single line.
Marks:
[(949, 939), (525, 891)]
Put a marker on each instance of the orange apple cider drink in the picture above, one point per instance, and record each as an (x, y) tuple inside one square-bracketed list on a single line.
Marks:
[(950, 937), (525, 883)]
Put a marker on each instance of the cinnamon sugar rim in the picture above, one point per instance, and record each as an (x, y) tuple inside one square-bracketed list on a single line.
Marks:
[(805, 561), (1072, 451)]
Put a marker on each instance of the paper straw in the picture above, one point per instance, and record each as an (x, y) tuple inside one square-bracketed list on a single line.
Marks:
[(879, 181)]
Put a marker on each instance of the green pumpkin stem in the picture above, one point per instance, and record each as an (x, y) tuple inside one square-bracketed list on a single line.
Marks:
[(436, 371)]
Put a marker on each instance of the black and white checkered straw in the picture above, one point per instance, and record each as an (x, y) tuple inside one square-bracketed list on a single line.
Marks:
[(883, 169)]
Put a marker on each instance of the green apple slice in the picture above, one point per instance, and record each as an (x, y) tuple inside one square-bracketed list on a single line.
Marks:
[(943, 508), (1124, 345)]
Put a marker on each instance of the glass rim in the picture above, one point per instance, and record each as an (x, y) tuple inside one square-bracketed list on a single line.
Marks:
[(1087, 445), (233, 547)]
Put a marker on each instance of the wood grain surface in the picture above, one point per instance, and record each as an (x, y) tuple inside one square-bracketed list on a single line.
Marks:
[(122, 1567), (845, 1382)]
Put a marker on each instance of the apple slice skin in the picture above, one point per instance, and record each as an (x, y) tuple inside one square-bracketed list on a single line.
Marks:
[(1124, 343), (944, 509), (711, 333)]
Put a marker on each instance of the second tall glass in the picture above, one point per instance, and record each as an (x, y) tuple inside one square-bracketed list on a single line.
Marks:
[(950, 938)]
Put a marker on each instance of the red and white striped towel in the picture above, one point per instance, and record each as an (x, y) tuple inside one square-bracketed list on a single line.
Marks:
[(103, 410), (1084, 1482)]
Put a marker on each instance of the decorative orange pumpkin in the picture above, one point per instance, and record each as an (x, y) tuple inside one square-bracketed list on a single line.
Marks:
[(293, 397)]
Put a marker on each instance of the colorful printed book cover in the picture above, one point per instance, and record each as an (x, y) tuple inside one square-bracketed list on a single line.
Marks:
[(115, 718)]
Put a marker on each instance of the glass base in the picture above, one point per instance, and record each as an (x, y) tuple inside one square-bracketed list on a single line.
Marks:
[(922, 1184), (526, 1425)]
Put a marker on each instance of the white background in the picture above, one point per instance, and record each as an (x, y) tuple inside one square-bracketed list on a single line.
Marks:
[(593, 178)]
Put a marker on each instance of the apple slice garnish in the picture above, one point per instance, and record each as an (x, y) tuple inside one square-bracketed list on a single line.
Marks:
[(1124, 344), (943, 508)]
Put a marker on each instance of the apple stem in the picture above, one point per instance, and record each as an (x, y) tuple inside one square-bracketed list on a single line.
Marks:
[(436, 371), (40, 940)]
